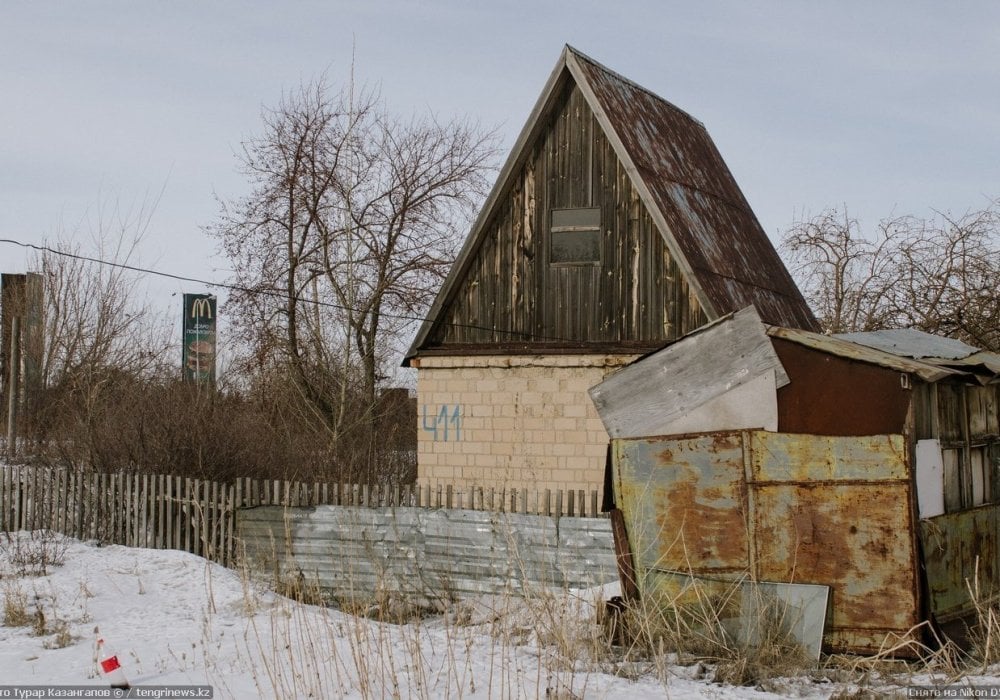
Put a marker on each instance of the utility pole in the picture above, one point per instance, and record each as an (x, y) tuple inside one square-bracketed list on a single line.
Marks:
[(14, 386)]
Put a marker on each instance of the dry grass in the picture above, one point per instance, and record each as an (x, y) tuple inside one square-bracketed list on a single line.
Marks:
[(62, 636), (706, 623), (15, 605), (984, 633), (381, 644), (569, 635), (562, 632), (34, 554), (564, 638)]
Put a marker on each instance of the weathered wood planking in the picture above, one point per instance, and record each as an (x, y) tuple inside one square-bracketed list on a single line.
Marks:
[(647, 396), (512, 294)]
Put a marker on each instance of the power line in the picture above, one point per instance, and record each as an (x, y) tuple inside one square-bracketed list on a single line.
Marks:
[(266, 292)]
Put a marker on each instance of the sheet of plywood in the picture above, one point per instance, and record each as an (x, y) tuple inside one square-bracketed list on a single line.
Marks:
[(664, 390), (750, 405)]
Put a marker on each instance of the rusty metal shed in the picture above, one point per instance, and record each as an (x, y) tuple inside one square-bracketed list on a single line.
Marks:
[(867, 464)]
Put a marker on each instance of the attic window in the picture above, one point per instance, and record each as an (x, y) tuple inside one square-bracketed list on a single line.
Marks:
[(576, 236)]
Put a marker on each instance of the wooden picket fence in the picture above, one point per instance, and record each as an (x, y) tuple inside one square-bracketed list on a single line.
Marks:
[(198, 515)]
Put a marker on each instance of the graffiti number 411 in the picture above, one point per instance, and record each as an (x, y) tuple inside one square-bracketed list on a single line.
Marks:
[(446, 424)]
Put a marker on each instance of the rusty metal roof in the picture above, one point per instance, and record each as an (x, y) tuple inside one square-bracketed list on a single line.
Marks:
[(707, 219), (849, 349), (909, 342), (932, 349), (706, 222)]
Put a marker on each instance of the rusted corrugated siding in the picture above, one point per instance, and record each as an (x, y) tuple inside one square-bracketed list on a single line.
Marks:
[(734, 261), (833, 511), (836, 511)]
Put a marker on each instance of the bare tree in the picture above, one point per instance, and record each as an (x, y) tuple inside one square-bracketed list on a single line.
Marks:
[(403, 189), (353, 219), (96, 330), (271, 237), (938, 275), (951, 284)]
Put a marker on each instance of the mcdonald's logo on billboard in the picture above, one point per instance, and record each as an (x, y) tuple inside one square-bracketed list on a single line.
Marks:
[(198, 331), (201, 307)]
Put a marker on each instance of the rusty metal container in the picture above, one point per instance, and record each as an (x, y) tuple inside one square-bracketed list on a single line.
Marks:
[(788, 508)]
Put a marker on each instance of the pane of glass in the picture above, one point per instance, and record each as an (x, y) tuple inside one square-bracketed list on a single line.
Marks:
[(576, 246), (576, 217)]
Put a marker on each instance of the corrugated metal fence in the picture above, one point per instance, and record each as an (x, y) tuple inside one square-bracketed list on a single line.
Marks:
[(204, 517), (426, 555)]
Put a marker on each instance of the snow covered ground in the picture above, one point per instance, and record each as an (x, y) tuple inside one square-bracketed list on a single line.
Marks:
[(172, 618)]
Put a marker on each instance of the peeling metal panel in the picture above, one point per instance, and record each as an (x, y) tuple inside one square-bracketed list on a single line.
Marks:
[(959, 549), (818, 458), (831, 511), (684, 502), (854, 538), (426, 555), (837, 511)]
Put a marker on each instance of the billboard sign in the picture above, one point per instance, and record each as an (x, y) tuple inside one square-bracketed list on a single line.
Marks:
[(198, 335)]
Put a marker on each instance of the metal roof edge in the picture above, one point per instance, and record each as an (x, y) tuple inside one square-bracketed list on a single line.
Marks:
[(982, 358), (855, 351), (589, 59)]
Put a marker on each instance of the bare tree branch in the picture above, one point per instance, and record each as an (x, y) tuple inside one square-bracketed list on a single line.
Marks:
[(939, 275), (358, 210)]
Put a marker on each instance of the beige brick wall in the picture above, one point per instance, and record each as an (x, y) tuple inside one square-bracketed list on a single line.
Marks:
[(511, 422)]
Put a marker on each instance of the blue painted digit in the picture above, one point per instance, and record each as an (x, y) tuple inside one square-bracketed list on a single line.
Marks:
[(443, 419), (430, 427), (447, 422)]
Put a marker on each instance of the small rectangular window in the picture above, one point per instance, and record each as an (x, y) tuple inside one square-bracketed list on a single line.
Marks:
[(576, 236)]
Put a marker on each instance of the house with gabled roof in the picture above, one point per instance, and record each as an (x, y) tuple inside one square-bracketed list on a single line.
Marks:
[(613, 227)]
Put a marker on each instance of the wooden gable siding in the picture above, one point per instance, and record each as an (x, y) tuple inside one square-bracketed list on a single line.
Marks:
[(511, 294)]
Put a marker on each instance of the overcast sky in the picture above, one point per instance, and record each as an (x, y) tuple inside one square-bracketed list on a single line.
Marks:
[(885, 107)]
